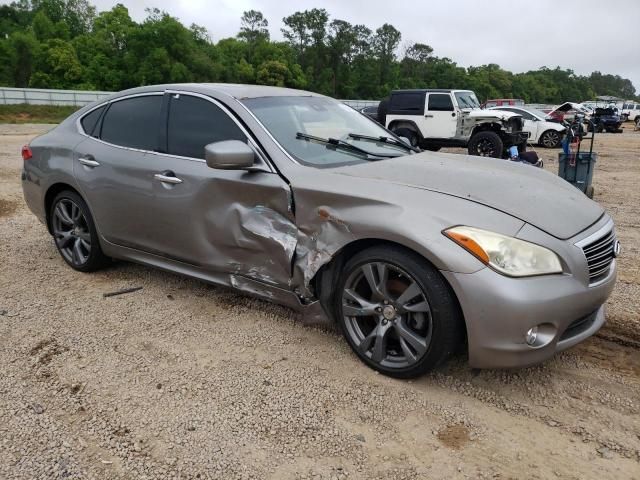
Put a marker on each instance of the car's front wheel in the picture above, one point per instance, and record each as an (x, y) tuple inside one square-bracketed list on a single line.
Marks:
[(74, 232), (397, 312), (486, 144), (550, 139), (409, 134)]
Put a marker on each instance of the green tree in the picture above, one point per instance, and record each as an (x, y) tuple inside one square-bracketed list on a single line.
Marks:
[(254, 27), (385, 43), (57, 66)]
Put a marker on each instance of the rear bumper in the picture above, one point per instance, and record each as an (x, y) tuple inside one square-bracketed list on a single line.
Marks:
[(499, 310), (32, 191)]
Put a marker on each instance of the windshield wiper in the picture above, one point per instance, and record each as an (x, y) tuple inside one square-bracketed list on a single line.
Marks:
[(337, 143), (387, 140)]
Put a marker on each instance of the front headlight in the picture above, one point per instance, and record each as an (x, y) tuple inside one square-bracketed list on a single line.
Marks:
[(507, 255)]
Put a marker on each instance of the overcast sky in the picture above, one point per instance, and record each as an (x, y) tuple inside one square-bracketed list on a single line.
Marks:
[(584, 35)]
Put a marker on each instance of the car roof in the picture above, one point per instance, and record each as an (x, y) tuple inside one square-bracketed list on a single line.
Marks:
[(430, 90), (235, 90)]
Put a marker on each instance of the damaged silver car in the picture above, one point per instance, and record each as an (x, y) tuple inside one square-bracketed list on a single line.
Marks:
[(296, 198)]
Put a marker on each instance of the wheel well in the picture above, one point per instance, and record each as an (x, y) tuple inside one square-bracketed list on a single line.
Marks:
[(487, 127), (327, 276), (405, 124), (54, 190)]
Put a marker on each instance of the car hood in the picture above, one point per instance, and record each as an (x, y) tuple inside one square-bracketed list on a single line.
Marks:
[(530, 194)]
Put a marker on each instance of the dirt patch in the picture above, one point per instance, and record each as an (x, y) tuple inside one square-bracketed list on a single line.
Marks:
[(454, 436), (7, 207), (47, 349)]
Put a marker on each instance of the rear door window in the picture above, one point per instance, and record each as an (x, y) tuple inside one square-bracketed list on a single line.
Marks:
[(195, 122), (133, 122)]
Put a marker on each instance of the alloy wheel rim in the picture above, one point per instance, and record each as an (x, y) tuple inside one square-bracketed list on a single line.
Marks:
[(387, 315), (485, 148), (71, 232), (550, 139)]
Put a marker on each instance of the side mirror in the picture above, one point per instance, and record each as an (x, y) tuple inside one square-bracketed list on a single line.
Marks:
[(229, 155)]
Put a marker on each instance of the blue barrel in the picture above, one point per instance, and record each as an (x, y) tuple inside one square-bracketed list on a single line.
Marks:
[(577, 169)]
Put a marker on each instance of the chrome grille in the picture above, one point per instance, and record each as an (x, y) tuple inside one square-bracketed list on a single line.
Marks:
[(600, 254)]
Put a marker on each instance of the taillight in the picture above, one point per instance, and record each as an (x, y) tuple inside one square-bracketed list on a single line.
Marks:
[(26, 153)]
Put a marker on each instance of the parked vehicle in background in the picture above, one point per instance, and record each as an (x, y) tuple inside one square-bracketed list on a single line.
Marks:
[(606, 120), (567, 112), (502, 102), (371, 112), (541, 131), (631, 110), (299, 199), (432, 119)]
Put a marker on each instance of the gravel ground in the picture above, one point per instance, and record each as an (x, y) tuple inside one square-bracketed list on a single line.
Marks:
[(185, 380)]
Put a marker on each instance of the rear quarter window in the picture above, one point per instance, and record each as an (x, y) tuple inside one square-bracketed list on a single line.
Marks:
[(133, 122), (411, 103), (90, 121)]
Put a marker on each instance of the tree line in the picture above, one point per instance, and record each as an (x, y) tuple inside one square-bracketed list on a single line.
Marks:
[(67, 44)]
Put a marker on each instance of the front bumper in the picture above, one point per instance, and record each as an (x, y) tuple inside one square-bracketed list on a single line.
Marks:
[(499, 310), (516, 138)]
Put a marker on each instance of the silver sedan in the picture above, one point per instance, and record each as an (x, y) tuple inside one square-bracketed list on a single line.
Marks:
[(296, 198)]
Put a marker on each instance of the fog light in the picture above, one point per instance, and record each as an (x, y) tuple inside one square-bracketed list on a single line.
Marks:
[(531, 335)]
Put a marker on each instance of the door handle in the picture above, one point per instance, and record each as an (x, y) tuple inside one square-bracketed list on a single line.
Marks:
[(88, 161), (167, 178), (428, 116)]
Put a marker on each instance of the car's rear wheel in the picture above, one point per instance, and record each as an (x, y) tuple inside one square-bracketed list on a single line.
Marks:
[(397, 312), (486, 144), (74, 233), (550, 139)]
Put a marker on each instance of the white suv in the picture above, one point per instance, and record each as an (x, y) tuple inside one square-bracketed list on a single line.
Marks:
[(432, 119), (631, 110)]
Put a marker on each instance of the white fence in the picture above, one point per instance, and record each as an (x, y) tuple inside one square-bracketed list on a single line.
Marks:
[(358, 104), (79, 98), (38, 96)]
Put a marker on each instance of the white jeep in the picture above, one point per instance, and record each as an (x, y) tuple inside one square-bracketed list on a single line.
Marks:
[(436, 118)]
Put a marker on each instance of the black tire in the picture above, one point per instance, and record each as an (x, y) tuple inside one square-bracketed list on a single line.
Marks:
[(432, 148), (590, 191), (440, 321), (486, 144), (409, 134), (77, 228), (600, 128), (550, 139)]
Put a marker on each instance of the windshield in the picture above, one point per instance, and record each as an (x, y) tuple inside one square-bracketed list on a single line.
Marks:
[(291, 120), (467, 100)]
